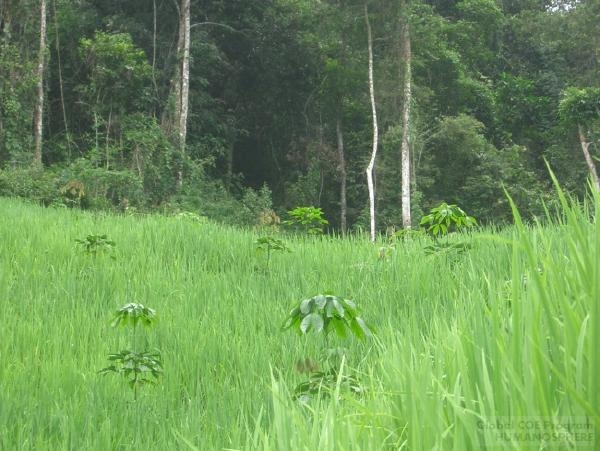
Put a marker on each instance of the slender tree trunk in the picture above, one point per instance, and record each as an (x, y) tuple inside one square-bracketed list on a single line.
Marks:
[(174, 120), (585, 146), (60, 82), (406, 58), (371, 166), (39, 106), (107, 140), (184, 30), (154, 28), (153, 39), (343, 175)]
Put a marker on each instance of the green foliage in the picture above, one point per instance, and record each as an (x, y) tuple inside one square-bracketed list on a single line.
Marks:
[(443, 336), (118, 73), (135, 366), (445, 218), (17, 87), (131, 314), (269, 244), (96, 244), (580, 106), (326, 313), (106, 188), (308, 219), (324, 384), (323, 314), (38, 187)]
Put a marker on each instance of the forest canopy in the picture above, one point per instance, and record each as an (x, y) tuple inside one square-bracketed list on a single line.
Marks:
[(230, 108)]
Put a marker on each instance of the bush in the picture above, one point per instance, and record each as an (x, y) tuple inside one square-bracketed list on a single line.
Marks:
[(38, 186), (106, 189)]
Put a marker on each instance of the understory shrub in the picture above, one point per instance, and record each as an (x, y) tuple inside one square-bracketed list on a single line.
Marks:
[(106, 189), (38, 186)]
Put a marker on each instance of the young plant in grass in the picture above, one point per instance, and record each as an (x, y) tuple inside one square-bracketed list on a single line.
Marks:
[(446, 218), (308, 219), (443, 220), (389, 248), (96, 244), (325, 314), (268, 245), (137, 367)]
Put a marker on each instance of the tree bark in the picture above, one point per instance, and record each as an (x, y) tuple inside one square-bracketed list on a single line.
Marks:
[(174, 119), (39, 106), (184, 31), (585, 146), (406, 58), (371, 166), (343, 174)]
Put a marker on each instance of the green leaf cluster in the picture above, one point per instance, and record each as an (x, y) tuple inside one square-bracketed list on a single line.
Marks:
[(324, 383), (325, 313), (443, 218), (136, 366), (310, 219), (580, 106), (134, 313), (268, 244), (94, 244)]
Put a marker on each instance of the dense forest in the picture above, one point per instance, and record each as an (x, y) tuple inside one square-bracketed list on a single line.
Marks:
[(234, 108)]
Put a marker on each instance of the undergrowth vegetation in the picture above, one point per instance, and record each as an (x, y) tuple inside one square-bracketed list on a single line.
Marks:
[(506, 330)]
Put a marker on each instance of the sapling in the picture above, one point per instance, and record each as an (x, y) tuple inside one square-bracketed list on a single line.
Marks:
[(445, 218), (96, 244), (441, 221), (309, 219), (138, 367), (324, 314), (268, 244)]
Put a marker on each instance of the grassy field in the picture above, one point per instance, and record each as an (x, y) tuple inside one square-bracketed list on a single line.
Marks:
[(503, 338)]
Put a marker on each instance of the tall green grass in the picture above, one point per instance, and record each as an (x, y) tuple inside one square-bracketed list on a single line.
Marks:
[(507, 329)]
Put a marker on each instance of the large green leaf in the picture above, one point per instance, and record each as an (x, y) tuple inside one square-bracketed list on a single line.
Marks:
[(313, 321), (306, 306)]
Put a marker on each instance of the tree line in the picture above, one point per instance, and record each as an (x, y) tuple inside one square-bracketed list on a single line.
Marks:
[(375, 111)]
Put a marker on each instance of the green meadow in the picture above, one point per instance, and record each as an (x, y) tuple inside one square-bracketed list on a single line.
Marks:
[(496, 346)]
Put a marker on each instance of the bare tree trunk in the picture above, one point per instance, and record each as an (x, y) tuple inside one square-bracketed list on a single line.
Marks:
[(39, 106), (60, 82), (343, 175), (107, 141), (406, 58), (153, 39), (184, 30), (371, 166), (154, 28), (174, 120), (585, 146)]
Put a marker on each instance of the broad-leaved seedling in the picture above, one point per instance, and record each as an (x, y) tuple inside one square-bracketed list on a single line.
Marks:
[(138, 367)]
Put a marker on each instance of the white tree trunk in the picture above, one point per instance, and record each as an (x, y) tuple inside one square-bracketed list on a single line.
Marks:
[(371, 166), (585, 146), (184, 92), (39, 106), (406, 56)]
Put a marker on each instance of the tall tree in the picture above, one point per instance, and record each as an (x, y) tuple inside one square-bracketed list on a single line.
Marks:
[(39, 106), (581, 107), (184, 91), (175, 117), (406, 59), (371, 166)]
